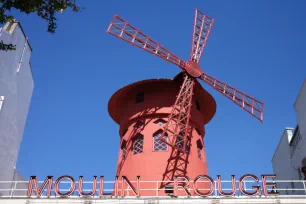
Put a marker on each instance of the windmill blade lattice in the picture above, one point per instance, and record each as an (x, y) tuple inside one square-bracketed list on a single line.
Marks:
[(202, 27), (125, 31), (247, 103), (178, 120)]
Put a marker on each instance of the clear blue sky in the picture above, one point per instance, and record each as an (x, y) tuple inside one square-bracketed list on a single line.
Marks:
[(258, 47)]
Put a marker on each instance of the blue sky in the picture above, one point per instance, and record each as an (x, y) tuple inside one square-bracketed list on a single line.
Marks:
[(255, 46)]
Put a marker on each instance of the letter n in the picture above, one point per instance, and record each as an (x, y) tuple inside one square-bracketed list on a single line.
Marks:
[(135, 190)]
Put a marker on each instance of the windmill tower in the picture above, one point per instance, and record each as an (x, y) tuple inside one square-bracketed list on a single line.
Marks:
[(162, 120)]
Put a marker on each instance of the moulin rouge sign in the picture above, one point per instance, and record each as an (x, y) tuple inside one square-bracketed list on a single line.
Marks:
[(179, 183)]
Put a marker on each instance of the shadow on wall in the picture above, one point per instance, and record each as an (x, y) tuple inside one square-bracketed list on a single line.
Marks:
[(142, 122)]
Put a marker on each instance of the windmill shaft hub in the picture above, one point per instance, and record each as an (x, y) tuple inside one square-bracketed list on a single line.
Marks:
[(193, 69)]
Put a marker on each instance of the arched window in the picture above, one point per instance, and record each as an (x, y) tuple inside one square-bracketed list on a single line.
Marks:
[(160, 122), (138, 144), (158, 145)]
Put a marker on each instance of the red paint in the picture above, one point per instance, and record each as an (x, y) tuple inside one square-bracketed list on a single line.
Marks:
[(193, 69), (125, 180), (159, 96)]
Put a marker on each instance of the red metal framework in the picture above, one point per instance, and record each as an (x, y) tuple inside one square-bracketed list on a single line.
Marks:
[(178, 121), (251, 105), (201, 30), (123, 30), (176, 165)]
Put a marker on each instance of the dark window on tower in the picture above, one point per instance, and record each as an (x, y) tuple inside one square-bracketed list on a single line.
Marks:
[(198, 105), (140, 97), (199, 148), (123, 148)]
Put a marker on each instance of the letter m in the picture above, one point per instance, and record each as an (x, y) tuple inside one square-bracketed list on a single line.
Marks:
[(39, 191)]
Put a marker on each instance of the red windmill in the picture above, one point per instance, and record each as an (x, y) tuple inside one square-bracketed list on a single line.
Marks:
[(178, 121)]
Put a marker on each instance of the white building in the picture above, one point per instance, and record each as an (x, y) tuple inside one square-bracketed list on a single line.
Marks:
[(16, 86), (289, 160)]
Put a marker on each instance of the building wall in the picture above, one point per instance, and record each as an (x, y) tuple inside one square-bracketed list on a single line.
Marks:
[(20, 186), (281, 161), (299, 141), (291, 151), (16, 86), (300, 109)]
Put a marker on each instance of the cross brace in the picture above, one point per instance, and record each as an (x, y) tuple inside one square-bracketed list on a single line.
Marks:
[(178, 120)]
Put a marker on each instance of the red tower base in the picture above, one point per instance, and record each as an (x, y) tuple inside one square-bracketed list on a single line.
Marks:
[(141, 109)]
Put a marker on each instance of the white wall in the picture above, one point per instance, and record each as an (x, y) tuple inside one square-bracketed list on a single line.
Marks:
[(16, 87), (299, 152), (300, 109), (281, 161), (289, 154)]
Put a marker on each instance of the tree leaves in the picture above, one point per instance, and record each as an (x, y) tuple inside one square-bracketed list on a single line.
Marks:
[(45, 9)]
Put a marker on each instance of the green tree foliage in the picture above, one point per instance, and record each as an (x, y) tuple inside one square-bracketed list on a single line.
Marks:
[(45, 9)]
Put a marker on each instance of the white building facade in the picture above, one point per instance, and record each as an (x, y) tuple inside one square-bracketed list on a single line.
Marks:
[(16, 87), (289, 160)]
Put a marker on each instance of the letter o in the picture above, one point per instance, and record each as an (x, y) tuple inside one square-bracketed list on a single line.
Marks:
[(210, 180), (56, 186)]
